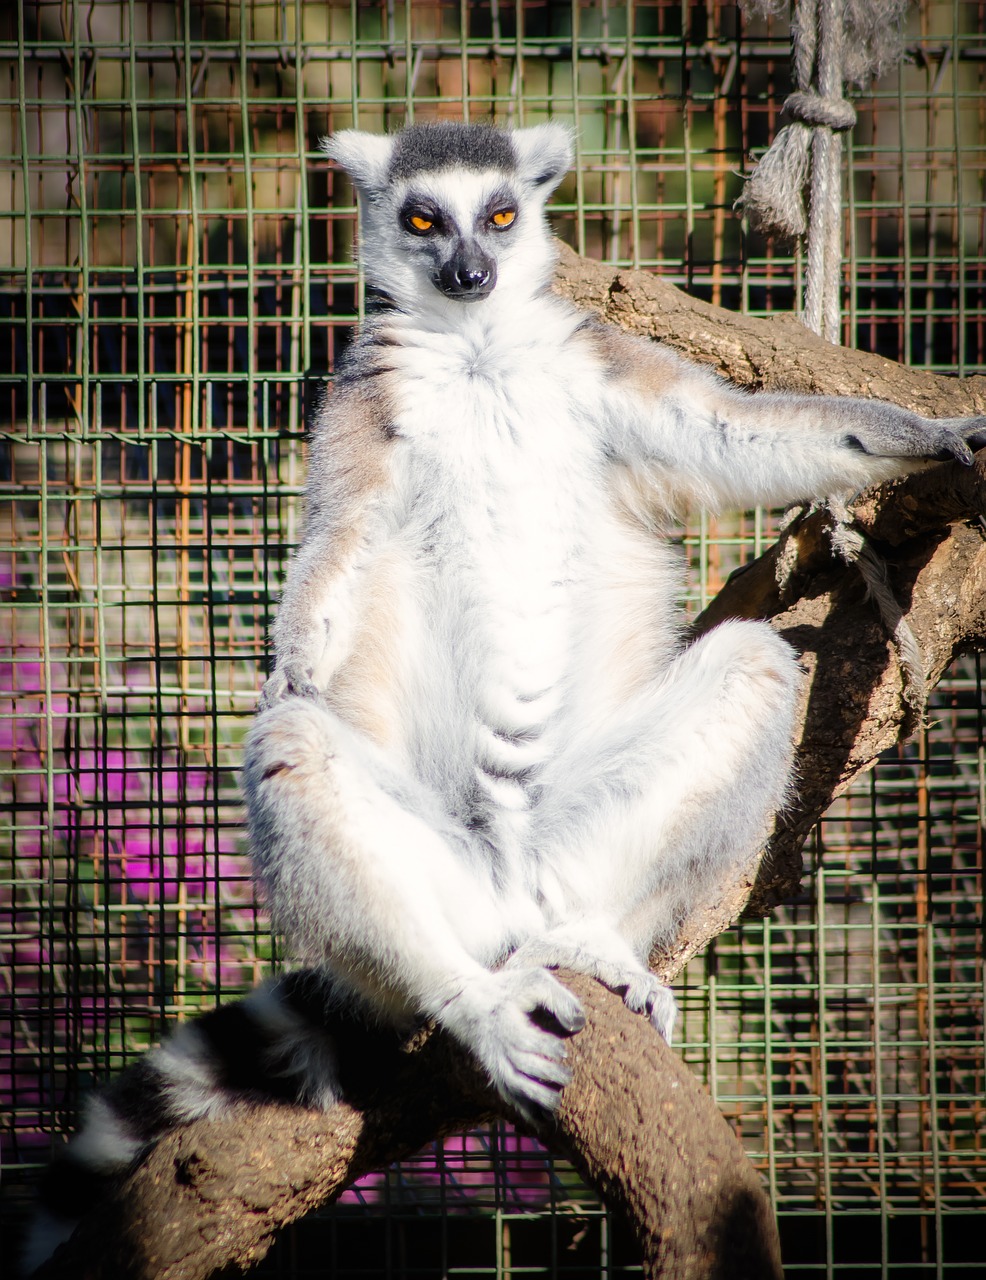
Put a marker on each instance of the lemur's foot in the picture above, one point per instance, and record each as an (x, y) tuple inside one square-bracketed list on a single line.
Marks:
[(524, 1058), (610, 962), (643, 993)]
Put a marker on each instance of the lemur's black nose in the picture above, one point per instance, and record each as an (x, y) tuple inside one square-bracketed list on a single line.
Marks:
[(470, 280), (468, 275)]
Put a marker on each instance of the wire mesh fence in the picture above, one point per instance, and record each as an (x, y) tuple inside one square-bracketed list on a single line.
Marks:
[(176, 278)]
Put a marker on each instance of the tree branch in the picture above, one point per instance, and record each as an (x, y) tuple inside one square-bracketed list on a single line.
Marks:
[(216, 1193), (772, 353)]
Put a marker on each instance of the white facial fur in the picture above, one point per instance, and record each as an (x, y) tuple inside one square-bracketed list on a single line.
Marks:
[(402, 266)]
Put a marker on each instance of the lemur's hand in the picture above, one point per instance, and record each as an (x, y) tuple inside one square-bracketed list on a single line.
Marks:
[(900, 434), (289, 679)]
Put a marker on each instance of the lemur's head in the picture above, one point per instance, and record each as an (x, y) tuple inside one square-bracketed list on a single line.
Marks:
[(457, 208)]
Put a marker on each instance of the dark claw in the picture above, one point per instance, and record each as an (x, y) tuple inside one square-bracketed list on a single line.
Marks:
[(298, 683), (973, 431), (282, 685), (965, 455), (302, 689), (570, 1023), (955, 448), (548, 1020), (575, 1023)]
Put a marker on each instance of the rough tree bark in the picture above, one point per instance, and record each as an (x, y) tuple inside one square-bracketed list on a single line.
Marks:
[(635, 1122)]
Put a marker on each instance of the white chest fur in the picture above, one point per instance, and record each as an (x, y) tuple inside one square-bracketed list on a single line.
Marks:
[(499, 479), (503, 552)]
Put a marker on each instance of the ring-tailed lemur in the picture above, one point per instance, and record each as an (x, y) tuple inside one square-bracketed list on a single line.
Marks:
[(485, 749)]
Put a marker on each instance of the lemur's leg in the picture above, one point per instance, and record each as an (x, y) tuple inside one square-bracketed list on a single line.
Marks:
[(634, 822), (374, 884)]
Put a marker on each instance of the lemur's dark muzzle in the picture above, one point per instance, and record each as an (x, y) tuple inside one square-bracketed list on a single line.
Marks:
[(468, 275)]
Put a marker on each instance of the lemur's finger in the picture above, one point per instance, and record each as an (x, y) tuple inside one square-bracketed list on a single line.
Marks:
[(976, 433), (954, 447)]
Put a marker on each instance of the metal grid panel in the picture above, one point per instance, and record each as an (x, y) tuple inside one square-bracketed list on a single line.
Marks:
[(175, 259)]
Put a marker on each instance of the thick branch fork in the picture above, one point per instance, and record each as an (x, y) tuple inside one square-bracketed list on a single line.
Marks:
[(634, 1120)]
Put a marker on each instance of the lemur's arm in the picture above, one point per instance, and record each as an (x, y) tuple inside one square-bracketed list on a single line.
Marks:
[(701, 439), (347, 472), (308, 627)]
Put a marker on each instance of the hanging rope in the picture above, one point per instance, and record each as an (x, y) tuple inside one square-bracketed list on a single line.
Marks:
[(834, 42)]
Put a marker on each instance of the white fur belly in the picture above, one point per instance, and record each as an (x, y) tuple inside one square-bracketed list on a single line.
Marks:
[(495, 579), (512, 571), (491, 532)]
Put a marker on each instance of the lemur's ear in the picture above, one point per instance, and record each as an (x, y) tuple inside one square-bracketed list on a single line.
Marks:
[(364, 156), (544, 154)]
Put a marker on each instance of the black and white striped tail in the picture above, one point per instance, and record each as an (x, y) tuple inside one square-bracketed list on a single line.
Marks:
[(277, 1045)]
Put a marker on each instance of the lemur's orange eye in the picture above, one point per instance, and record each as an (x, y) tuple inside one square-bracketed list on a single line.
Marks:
[(418, 222), (503, 217)]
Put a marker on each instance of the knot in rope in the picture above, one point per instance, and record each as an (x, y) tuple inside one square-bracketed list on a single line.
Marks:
[(832, 41), (817, 112)]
